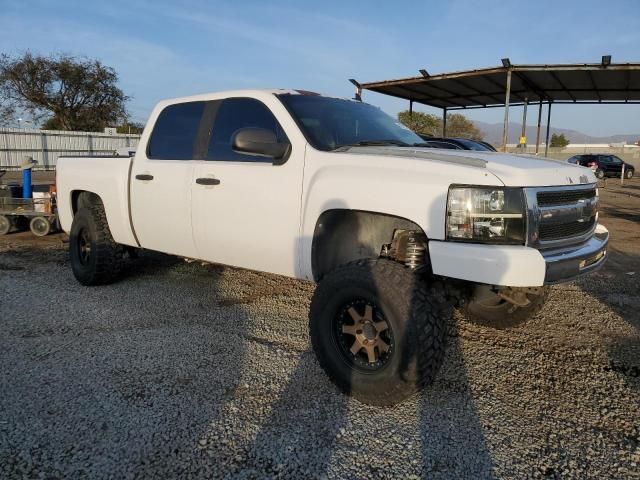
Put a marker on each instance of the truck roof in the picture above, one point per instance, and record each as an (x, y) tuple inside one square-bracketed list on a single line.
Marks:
[(233, 93)]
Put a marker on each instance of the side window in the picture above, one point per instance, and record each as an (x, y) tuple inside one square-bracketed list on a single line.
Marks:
[(234, 114), (615, 160), (175, 132)]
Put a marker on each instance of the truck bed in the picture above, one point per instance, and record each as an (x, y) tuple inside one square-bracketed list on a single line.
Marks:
[(107, 177)]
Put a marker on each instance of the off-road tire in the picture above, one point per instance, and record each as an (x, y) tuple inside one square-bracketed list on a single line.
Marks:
[(505, 315), (416, 313), (105, 260)]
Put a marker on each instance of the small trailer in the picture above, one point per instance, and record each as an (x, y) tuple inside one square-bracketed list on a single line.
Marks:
[(39, 213)]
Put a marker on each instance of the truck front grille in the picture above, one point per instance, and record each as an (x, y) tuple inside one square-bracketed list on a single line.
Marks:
[(560, 216), (564, 196), (566, 230)]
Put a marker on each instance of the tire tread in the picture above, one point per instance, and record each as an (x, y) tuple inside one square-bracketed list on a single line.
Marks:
[(428, 311)]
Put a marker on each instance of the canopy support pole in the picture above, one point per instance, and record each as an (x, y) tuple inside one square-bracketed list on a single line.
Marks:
[(546, 144), (538, 130), (505, 128), (444, 122), (523, 133)]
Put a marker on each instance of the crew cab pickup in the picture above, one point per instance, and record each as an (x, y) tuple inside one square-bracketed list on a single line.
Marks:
[(335, 191)]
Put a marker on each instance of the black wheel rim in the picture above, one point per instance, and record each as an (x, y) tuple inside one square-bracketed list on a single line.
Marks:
[(84, 246), (363, 335)]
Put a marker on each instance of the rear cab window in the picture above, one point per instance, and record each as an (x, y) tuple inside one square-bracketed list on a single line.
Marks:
[(175, 132)]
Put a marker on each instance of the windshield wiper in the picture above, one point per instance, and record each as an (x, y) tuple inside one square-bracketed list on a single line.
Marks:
[(372, 143)]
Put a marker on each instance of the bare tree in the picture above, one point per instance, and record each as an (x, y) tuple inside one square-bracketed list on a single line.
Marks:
[(67, 93)]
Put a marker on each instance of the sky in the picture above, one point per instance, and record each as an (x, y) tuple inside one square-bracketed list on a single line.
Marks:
[(166, 49)]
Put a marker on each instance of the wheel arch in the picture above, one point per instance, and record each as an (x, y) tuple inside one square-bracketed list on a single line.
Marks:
[(83, 199), (343, 235)]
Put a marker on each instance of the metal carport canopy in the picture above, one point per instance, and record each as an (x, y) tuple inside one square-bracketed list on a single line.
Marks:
[(585, 83)]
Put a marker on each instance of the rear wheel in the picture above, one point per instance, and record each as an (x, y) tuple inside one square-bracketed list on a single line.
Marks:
[(628, 173), (96, 258), (378, 330), (5, 224), (40, 226), (505, 308)]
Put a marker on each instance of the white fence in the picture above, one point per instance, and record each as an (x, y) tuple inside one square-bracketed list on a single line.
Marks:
[(46, 146), (629, 154)]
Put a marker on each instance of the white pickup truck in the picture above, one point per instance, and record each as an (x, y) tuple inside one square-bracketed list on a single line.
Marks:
[(337, 192)]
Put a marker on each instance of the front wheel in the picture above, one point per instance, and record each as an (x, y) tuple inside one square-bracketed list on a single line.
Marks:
[(378, 330), (599, 174), (96, 258), (506, 307)]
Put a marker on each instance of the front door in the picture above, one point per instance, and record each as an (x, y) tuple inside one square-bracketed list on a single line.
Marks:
[(246, 210), (615, 165), (161, 180)]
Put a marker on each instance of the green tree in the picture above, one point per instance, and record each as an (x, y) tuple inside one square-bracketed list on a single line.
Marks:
[(63, 92), (460, 126), (421, 123), (428, 124), (558, 140)]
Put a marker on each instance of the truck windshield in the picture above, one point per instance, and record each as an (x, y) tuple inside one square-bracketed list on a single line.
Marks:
[(333, 123), (472, 145)]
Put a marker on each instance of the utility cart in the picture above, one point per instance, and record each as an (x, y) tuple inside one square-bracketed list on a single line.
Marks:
[(39, 213)]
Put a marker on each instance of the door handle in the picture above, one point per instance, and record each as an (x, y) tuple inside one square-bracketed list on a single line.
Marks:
[(207, 181), (144, 176)]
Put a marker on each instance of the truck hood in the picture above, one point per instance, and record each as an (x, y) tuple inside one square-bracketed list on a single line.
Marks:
[(512, 170)]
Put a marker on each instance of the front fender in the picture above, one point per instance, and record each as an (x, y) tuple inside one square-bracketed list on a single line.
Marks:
[(412, 189)]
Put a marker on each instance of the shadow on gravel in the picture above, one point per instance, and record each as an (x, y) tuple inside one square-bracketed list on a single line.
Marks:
[(286, 435), (623, 214), (117, 381), (453, 439), (618, 290)]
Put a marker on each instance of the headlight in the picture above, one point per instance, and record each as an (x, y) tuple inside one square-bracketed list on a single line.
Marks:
[(487, 215)]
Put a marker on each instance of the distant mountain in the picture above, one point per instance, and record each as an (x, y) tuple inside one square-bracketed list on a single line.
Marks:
[(493, 134)]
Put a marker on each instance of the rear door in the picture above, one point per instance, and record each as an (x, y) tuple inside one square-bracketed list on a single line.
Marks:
[(246, 209), (161, 181)]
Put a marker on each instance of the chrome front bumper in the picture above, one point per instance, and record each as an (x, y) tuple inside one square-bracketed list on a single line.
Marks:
[(564, 265)]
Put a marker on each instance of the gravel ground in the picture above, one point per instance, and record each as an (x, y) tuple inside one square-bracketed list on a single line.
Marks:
[(205, 371)]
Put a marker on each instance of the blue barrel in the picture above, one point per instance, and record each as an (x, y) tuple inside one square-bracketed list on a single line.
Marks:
[(27, 191)]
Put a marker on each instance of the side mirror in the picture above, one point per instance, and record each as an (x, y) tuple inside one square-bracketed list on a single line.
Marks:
[(259, 141)]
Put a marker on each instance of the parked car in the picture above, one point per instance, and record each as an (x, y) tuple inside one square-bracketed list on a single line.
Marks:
[(457, 143), (334, 191), (604, 164)]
